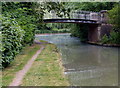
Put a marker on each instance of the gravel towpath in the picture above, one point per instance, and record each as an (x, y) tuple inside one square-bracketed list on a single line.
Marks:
[(20, 75)]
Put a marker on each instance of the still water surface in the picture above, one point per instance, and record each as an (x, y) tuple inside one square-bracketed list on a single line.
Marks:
[(86, 65)]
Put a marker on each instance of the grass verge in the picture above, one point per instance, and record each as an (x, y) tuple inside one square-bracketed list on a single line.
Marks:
[(19, 62), (46, 70)]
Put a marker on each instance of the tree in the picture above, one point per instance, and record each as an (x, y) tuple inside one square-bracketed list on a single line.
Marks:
[(114, 17), (90, 6)]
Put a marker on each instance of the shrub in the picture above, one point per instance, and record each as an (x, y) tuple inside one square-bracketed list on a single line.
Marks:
[(12, 37), (27, 24), (105, 39), (114, 19), (114, 38)]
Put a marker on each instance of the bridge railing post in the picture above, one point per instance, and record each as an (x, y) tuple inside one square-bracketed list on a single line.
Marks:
[(104, 16)]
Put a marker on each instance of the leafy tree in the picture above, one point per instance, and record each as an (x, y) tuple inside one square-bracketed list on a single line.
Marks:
[(114, 17), (90, 6)]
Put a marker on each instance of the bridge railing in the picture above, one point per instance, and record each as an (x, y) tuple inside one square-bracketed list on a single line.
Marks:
[(86, 15)]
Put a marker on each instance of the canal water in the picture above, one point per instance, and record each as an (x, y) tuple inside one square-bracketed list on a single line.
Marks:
[(85, 64)]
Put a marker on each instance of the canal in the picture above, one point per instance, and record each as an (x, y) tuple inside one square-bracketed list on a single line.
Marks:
[(85, 64)]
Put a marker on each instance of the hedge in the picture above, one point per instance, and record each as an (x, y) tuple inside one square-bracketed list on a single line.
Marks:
[(12, 37)]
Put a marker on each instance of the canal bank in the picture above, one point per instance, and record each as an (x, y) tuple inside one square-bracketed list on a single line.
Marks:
[(89, 42), (85, 64), (47, 69), (43, 69), (106, 45)]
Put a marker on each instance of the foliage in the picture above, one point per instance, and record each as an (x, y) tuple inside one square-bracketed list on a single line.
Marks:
[(54, 30), (12, 37), (105, 39), (75, 30), (58, 7), (17, 30), (61, 25), (90, 6), (26, 21), (112, 39), (29, 28), (20, 19), (115, 17), (115, 37), (81, 31)]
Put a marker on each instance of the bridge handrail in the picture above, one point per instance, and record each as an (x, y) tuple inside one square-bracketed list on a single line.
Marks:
[(77, 14)]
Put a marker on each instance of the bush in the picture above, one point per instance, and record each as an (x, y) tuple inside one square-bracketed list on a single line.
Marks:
[(25, 20), (17, 30), (105, 39), (114, 38), (27, 24), (12, 37), (114, 19)]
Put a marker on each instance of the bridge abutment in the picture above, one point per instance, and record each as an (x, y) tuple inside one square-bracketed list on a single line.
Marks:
[(96, 32)]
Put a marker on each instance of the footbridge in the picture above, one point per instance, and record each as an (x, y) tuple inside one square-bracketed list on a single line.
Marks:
[(97, 22), (77, 17), (72, 20)]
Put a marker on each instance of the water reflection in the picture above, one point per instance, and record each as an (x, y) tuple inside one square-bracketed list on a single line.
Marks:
[(86, 65)]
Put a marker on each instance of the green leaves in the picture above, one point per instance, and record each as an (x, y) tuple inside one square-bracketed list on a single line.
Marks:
[(18, 26), (12, 37), (81, 31), (114, 17), (90, 6), (112, 39), (19, 21)]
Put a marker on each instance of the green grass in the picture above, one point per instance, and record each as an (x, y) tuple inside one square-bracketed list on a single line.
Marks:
[(19, 62), (47, 69)]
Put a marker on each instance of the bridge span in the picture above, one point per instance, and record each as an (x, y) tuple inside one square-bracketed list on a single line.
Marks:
[(66, 20), (96, 21)]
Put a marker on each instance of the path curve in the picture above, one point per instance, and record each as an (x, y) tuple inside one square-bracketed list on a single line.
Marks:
[(20, 75)]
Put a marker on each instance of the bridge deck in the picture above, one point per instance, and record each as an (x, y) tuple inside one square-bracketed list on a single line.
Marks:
[(65, 20)]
